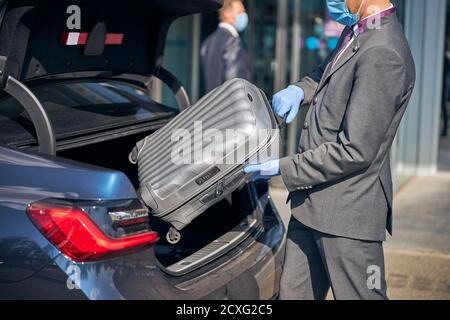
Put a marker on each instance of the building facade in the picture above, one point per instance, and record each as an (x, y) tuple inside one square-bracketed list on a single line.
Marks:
[(287, 39)]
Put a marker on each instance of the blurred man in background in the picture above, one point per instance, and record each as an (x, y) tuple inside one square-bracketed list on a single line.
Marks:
[(223, 57)]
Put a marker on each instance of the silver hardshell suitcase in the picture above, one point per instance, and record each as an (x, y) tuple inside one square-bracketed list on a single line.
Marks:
[(197, 159)]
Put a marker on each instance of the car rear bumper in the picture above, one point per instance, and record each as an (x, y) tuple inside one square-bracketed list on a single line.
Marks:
[(251, 271)]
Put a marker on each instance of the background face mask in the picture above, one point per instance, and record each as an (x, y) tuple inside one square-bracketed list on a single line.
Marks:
[(339, 12), (241, 22)]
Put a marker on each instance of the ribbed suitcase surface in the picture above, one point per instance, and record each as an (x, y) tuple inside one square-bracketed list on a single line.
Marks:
[(179, 178)]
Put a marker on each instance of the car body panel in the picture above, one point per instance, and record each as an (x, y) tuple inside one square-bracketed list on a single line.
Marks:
[(257, 262), (249, 272), (33, 268), (26, 177)]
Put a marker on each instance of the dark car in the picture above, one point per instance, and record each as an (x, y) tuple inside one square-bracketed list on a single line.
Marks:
[(72, 105)]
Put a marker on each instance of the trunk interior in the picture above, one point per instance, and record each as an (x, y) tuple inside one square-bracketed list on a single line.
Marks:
[(207, 229)]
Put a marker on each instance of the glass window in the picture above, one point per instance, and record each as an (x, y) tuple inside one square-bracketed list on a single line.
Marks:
[(319, 35), (178, 56), (79, 107), (260, 40)]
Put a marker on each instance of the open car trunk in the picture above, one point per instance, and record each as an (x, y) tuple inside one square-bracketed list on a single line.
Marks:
[(98, 122), (34, 50), (218, 230)]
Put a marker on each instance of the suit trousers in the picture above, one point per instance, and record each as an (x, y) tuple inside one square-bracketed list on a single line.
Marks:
[(314, 262)]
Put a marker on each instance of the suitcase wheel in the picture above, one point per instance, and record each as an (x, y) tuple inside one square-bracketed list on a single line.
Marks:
[(132, 158), (173, 236)]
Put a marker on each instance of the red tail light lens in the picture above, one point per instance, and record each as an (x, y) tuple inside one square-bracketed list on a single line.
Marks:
[(73, 232)]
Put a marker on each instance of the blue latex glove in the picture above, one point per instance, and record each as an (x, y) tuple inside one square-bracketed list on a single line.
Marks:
[(288, 101), (265, 170)]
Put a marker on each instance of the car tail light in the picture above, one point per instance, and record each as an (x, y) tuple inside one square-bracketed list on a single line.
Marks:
[(75, 233)]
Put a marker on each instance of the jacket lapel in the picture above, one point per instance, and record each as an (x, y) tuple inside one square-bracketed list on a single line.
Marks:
[(346, 56), (349, 53), (331, 69)]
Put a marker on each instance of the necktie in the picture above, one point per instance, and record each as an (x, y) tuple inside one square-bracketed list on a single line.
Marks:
[(345, 43)]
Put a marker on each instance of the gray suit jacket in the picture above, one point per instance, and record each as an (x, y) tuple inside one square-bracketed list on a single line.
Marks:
[(340, 181), (223, 58)]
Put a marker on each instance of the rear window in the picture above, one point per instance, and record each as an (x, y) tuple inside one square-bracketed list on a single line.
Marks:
[(80, 107)]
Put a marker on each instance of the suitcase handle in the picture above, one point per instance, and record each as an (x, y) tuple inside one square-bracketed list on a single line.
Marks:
[(132, 157), (282, 121)]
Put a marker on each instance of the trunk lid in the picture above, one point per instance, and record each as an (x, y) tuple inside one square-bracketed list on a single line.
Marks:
[(32, 31)]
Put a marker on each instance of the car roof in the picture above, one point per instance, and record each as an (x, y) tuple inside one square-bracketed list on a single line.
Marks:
[(31, 33)]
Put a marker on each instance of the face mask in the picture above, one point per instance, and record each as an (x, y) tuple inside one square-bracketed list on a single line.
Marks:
[(339, 12), (241, 22)]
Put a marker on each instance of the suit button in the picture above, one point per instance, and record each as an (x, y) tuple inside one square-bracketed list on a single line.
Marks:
[(316, 100), (306, 126)]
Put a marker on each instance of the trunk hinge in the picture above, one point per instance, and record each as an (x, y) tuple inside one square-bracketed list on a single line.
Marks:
[(175, 86), (3, 72), (32, 105)]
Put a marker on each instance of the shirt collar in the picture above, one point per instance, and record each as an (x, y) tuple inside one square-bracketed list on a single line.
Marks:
[(230, 28)]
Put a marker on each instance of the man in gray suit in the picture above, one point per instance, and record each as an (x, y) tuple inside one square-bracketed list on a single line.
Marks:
[(223, 57), (340, 181)]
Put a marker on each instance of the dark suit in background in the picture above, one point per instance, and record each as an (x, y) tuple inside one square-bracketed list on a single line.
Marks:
[(223, 58)]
